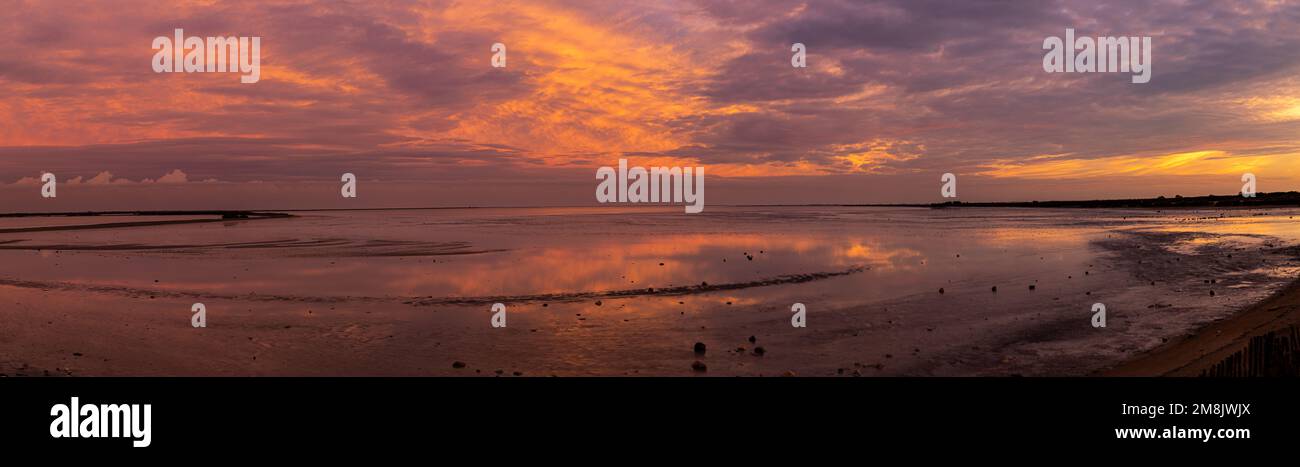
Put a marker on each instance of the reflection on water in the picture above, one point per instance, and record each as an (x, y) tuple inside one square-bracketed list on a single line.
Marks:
[(871, 278), (470, 253)]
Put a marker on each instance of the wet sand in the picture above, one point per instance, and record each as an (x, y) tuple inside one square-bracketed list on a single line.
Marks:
[(893, 292), (192, 217), (1195, 354)]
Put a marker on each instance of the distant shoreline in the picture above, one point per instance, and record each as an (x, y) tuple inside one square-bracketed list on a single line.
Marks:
[(1260, 200), (1279, 199)]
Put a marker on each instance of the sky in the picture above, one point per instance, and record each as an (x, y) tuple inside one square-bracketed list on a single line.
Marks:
[(404, 95)]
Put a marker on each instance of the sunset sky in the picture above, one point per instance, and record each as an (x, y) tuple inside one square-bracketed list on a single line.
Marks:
[(403, 94)]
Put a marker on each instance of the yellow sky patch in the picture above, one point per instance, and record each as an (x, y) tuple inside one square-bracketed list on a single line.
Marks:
[(1207, 162)]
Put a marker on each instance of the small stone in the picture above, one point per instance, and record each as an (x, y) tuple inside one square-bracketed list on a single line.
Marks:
[(458, 364), (941, 290), (597, 302), (700, 348), (699, 366), (759, 351), (752, 339)]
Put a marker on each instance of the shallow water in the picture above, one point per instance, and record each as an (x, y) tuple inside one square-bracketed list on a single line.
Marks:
[(390, 284)]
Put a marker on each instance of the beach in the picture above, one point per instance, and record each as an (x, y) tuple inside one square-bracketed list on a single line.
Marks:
[(608, 292), (1217, 344)]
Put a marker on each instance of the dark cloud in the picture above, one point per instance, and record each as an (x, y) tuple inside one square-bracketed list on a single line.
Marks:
[(381, 88)]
